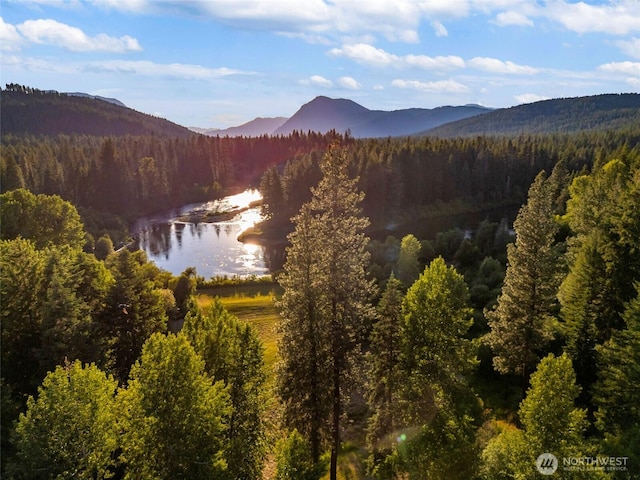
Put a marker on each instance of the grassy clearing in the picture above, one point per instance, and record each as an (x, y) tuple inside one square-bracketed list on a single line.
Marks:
[(254, 304)]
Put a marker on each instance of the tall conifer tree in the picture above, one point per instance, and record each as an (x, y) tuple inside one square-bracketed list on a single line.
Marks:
[(519, 323), (325, 305)]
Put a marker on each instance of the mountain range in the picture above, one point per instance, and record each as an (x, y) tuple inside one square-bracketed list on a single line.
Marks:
[(323, 114), (29, 111), (255, 128)]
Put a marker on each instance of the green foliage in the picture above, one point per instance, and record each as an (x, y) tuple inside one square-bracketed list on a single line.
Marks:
[(47, 220), (384, 374), (103, 248), (520, 322), (548, 414), (506, 455), (408, 267), (49, 300), (550, 424), (20, 286), (294, 460), (69, 430), (135, 309), (617, 397), (604, 246), (233, 354), (172, 415), (436, 358), (324, 305)]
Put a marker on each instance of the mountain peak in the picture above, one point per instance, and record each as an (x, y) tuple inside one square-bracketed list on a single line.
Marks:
[(323, 114)]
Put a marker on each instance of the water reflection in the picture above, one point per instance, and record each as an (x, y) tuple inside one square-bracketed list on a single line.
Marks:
[(212, 248)]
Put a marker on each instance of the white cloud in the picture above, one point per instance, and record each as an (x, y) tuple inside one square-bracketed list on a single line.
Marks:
[(10, 39), (366, 54), (450, 86), (530, 98), (512, 17), (623, 68), (397, 20), (631, 47), (318, 81), (619, 17), (132, 6), (439, 29), (494, 65), (449, 62), (177, 70), (39, 65), (349, 82), (48, 31), (369, 55)]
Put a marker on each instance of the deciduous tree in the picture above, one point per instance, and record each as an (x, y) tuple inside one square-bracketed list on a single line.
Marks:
[(233, 354), (172, 415), (436, 399), (69, 429)]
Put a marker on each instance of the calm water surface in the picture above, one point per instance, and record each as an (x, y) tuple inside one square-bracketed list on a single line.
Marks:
[(212, 248)]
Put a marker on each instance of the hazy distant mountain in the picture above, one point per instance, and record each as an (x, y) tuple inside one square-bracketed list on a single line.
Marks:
[(566, 115), (37, 112), (255, 128), (115, 101), (323, 114)]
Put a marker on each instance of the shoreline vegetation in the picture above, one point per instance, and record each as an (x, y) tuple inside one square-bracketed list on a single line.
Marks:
[(205, 215)]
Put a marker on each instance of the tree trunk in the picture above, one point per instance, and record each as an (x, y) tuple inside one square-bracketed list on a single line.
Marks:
[(335, 428)]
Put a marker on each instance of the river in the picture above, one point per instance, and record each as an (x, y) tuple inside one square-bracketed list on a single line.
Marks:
[(212, 248)]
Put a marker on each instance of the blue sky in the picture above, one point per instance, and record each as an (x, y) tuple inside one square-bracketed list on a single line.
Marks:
[(219, 63)]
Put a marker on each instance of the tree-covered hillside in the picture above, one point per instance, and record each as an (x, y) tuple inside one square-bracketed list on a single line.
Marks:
[(27, 111), (561, 115)]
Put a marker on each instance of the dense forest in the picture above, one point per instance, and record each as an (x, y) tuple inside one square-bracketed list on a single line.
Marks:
[(407, 355)]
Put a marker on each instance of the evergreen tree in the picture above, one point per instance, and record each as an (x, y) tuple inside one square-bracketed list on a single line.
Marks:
[(617, 395), (581, 310), (172, 415), (135, 310), (21, 283), (273, 201), (327, 293), (69, 430), (520, 322), (604, 246), (384, 377), (302, 372)]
